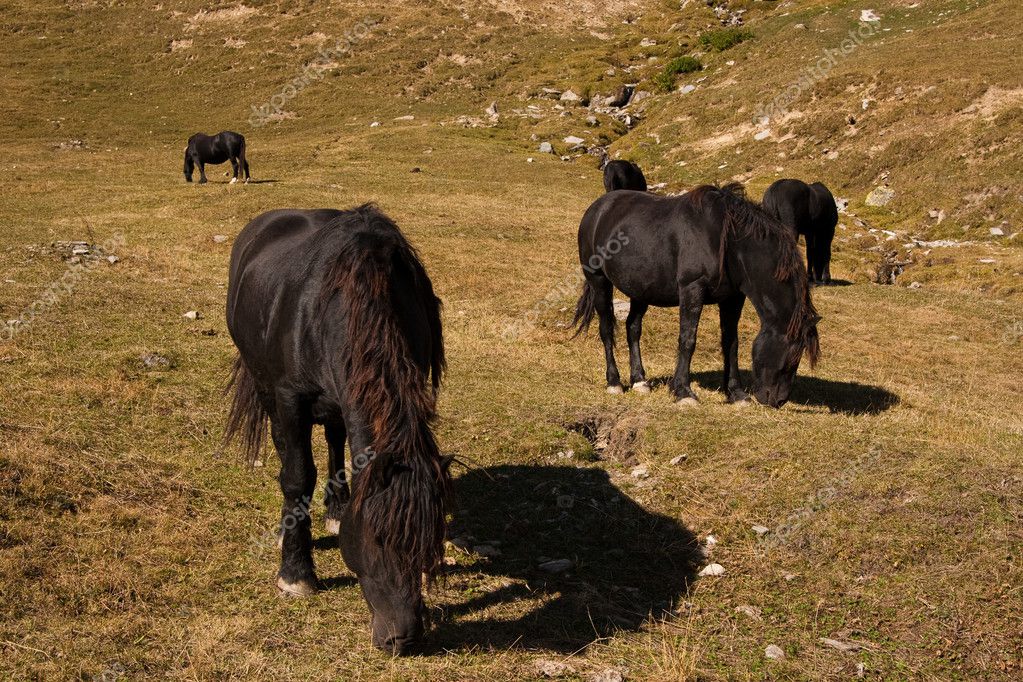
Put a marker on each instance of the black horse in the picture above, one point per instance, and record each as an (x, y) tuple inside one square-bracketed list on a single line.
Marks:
[(336, 323), (225, 146), (711, 245), (623, 175), (810, 211)]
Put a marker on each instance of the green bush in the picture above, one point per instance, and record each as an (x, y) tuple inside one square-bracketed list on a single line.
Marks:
[(724, 38), (665, 80)]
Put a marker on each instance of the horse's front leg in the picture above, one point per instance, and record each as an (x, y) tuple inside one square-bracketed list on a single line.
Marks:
[(730, 311), (337, 492), (234, 168), (202, 173), (690, 306), (291, 430), (633, 331)]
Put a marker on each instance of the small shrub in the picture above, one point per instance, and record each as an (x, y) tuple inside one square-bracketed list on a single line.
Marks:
[(665, 80), (724, 38)]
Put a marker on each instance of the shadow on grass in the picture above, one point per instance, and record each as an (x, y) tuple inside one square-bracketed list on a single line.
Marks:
[(627, 563), (845, 397)]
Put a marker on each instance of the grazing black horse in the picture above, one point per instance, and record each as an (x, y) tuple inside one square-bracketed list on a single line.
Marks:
[(711, 245), (810, 211), (226, 146), (623, 175), (336, 323)]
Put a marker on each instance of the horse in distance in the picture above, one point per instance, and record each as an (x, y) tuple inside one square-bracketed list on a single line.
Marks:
[(623, 175), (808, 210), (215, 149)]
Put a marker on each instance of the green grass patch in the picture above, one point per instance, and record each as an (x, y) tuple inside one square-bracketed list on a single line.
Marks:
[(665, 80), (724, 38)]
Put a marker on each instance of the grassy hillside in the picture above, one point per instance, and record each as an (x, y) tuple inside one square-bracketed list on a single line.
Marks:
[(132, 547)]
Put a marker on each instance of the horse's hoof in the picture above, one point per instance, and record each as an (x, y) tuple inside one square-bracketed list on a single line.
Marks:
[(302, 588), (332, 526), (615, 390), (641, 387), (686, 403), (234, 180)]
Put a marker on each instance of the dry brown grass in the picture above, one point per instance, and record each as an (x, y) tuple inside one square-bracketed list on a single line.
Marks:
[(127, 537)]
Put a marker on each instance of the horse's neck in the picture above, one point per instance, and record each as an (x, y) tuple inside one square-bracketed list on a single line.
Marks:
[(773, 300)]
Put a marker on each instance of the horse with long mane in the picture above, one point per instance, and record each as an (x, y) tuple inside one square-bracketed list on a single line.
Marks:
[(808, 210), (710, 245), (224, 146), (336, 323)]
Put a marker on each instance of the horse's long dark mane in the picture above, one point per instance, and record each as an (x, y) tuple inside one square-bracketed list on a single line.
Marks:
[(376, 276), (745, 219)]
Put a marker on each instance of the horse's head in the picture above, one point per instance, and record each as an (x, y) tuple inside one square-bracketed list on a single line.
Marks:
[(392, 536), (776, 356)]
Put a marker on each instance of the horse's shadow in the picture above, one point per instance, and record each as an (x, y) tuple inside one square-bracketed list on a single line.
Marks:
[(627, 564), (845, 397)]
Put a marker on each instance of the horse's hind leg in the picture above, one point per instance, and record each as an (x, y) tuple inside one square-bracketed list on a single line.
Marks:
[(291, 429), (690, 306), (337, 492), (234, 169), (730, 311), (602, 291), (633, 331)]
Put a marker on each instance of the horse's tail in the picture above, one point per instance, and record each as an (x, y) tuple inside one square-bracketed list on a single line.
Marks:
[(585, 309), (241, 159), (189, 164), (248, 416)]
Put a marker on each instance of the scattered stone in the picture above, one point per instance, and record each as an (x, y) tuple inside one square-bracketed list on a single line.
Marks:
[(608, 675), (112, 259), (841, 204), (840, 645), (986, 261), (573, 140), (71, 144), (550, 93), (861, 671), (155, 361), (997, 232), (639, 96), (529, 159), (592, 121), (675, 461), (621, 96), (761, 531), (800, 27), (713, 570), (640, 471), (880, 196), (869, 16), (915, 285), (774, 652), (408, 117), (549, 668), (192, 315), (751, 611), (710, 542), (647, 42), (219, 238), (491, 110), (937, 214), (546, 148), (569, 96), (762, 135), (556, 566), (374, 124), (686, 89)]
